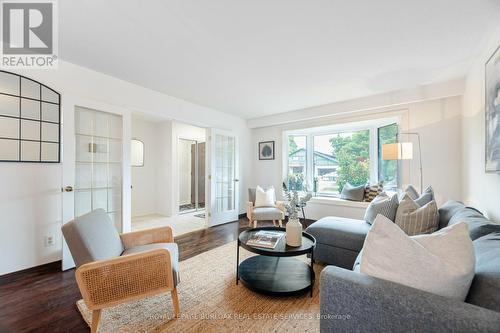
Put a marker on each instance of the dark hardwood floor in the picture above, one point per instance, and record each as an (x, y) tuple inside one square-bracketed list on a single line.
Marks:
[(42, 299)]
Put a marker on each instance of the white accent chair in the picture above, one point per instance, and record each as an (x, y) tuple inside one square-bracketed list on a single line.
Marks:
[(255, 214)]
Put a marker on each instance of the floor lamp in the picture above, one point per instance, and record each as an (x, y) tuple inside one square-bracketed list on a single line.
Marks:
[(403, 151)]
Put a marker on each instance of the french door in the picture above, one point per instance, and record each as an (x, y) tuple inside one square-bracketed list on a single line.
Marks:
[(222, 180), (92, 167)]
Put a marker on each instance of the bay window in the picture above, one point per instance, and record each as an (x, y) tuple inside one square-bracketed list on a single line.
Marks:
[(324, 159)]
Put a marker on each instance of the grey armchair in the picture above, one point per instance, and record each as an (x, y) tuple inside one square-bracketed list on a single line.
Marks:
[(114, 268), (254, 214)]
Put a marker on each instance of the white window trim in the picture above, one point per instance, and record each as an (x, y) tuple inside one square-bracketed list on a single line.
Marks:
[(371, 125)]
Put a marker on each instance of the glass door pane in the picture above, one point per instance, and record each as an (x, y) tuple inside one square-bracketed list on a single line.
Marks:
[(98, 163), (224, 173)]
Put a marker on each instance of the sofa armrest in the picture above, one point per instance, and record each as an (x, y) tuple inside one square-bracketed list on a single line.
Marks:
[(351, 301), (250, 210), (147, 236), (113, 281)]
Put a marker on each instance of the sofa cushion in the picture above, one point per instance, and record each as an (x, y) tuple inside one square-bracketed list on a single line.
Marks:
[(92, 237), (415, 219), (441, 263), (384, 205), (170, 247), (485, 288), (478, 224), (447, 211), (267, 213), (353, 193), (251, 193), (265, 198), (371, 191), (340, 232)]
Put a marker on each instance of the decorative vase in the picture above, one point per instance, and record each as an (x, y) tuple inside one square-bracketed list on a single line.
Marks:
[(294, 233)]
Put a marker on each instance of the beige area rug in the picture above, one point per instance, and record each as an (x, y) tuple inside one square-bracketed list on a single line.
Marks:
[(212, 302)]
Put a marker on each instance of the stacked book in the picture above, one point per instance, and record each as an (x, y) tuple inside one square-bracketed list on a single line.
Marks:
[(265, 239)]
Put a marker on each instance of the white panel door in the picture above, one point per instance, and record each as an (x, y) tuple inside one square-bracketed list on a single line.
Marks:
[(222, 180)]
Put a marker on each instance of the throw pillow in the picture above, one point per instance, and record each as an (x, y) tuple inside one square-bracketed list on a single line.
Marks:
[(426, 197), (353, 193), (422, 199), (264, 198), (412, 192), (441, 263), (415, 219), (384, 205), (371, 191)]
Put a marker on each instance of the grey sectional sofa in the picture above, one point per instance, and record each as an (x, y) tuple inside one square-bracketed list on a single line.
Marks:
[(354, 302)]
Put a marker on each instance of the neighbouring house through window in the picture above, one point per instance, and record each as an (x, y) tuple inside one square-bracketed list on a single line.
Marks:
[(324, 159)]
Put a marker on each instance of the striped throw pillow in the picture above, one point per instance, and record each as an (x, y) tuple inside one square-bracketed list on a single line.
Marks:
[(415, 219), (383, 205), (371, 191)]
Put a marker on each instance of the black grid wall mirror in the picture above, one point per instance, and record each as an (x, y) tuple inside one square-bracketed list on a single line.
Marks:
[(30, 120)]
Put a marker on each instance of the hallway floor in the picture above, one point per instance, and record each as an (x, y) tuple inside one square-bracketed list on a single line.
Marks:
[(181, 224)]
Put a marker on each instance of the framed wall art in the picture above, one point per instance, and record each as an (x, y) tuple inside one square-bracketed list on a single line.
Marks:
[(266, 150)]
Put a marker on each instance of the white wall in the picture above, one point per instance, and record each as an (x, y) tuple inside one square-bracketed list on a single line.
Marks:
[(438, 121), (481, 190), (25, 218), (144, 179)]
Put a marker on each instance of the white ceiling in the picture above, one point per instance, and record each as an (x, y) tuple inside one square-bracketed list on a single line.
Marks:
[(259, 57)]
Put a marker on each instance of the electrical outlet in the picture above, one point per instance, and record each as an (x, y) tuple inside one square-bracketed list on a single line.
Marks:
[(49, 241)]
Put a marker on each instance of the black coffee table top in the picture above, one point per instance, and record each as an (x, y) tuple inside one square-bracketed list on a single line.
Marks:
[(281, 249)]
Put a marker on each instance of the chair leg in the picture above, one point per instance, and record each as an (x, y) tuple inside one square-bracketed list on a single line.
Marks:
[(96, 315), (175, 302), (249, 223), (274, 222), (255, 224), (281, 223)]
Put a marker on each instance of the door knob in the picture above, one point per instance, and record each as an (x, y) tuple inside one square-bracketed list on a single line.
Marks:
[(236, 180), (67, 189)]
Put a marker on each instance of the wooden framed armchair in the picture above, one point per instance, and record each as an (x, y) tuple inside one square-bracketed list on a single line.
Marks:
[(254, 214), (115, 268)]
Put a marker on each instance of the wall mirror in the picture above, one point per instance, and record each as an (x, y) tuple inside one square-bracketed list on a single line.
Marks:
[(137, 153)]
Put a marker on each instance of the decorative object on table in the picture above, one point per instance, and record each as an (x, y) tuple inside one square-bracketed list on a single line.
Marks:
[(441, 263), (382, 205), (293, 205), (353, 193), (30, 120), (265, 238), (371, 191), (415, 219), (274, 212), (136, 153), (403, 151), (266, 150), (492, 110)]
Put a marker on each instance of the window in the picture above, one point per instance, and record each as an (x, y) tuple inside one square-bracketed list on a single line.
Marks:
[(297, 162), (387, 170), (325, 159)]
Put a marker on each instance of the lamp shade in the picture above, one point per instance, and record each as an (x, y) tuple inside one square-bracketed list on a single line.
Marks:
[(397, 151)]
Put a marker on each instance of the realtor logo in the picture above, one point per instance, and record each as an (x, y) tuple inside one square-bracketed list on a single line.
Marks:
[(29, 34)]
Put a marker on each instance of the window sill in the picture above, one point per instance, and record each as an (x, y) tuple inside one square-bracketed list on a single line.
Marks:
[(332, 201)]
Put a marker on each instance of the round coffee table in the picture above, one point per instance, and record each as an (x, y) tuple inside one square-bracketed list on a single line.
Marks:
[(275, 271)]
